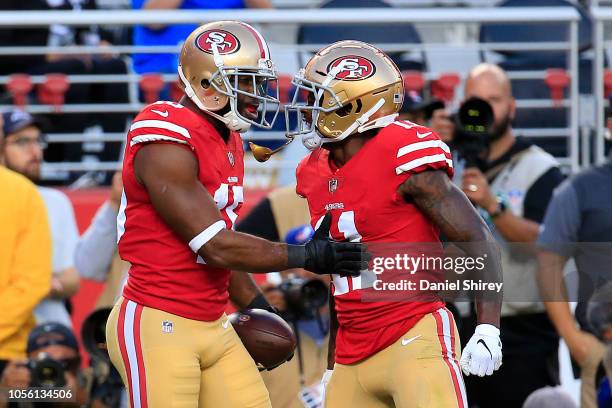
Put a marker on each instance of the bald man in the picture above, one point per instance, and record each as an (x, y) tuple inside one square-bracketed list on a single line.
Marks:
[(512, 189)]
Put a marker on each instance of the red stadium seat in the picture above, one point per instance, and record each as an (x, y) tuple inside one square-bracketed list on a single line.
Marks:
[(284, 85), (413, 81), (557, 80), (444, 87), (608, 82), (19, 86), (151, 85), (53, 90)]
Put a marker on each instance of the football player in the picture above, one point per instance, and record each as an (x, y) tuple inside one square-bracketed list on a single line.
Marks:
[(385, 180), (182, 175)]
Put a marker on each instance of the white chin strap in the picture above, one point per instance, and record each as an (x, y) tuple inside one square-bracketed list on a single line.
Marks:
[(231, 119), (361, 124)]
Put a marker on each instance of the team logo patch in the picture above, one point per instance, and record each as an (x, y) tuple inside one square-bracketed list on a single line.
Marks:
[(333, 185), (226, 42), (167, 326), (353, 68)]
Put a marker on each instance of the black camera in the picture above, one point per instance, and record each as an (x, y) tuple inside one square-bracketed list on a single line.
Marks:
[(46, 372), (473, 124), (304, 297), (107, 384)]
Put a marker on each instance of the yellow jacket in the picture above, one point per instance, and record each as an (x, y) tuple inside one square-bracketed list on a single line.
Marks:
[(25, 260)]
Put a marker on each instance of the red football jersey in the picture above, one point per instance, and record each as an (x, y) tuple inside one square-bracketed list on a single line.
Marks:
[(362, 198), (165, 273)]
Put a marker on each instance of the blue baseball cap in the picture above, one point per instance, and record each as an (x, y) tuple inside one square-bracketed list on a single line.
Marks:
[(49, 334), (17, 119)]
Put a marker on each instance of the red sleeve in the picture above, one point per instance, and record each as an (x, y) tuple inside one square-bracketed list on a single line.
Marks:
[(417, 149), (160, 123)]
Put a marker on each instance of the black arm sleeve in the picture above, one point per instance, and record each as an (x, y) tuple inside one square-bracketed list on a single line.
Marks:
[(260, 222), (539, 194)]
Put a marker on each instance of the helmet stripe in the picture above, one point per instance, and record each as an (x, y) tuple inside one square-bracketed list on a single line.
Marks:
[(263, 46)]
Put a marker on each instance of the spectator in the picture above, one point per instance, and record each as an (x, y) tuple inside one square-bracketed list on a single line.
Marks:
[(578, 224), (174, 34), (279, 217), (442, 123), (96, 255), (23, 152), (418, 110), (58, 35), (52, 341), (512, 189), (549, 397), (25, 259)]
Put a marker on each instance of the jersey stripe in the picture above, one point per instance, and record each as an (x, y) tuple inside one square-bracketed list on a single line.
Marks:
[(413, 147), (121, 217), (153, 138), (423, 160), (160, 124), (446, 337)]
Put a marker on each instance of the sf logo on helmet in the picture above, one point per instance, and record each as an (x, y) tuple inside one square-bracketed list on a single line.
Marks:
[(353, 68), (226, 42)]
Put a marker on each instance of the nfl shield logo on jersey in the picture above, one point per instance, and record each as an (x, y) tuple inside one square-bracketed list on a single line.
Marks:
[(333, 185), (167, 326), (230, 157)]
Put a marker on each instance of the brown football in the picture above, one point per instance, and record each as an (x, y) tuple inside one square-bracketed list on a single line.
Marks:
[(266, 336)]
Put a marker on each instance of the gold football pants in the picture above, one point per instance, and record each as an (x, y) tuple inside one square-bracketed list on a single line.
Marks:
[(170, 361), (419, 370)]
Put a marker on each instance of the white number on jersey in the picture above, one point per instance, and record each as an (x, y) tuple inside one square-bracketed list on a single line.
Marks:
[(224, 203), (346, 225)]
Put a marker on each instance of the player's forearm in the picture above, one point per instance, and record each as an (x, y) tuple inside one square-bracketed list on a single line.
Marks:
[(243, 289), (244, 252)]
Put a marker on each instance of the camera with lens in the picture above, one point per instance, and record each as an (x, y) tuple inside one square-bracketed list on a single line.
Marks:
[(473, 127), (107, 385), (303, 297), (46, 372)]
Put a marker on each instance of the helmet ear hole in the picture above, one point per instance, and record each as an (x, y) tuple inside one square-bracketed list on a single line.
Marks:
[(205, 83), (345, 110)]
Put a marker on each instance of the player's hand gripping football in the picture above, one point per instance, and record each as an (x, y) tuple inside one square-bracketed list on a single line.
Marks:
[(483, 353), (321, 255)]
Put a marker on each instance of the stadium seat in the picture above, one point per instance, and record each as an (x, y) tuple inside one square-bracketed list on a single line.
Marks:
[(444, 87), (19, 86), (371, 33), (151, 86), (53, 90)]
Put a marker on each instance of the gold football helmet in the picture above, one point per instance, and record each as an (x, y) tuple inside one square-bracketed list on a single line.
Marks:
[(216, 60), (349, 86)]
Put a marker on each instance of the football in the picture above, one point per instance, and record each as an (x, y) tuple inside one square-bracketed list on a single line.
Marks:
[(266, 336)]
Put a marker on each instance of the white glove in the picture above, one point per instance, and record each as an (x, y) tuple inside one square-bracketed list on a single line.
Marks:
[(324, 381), (483, 353)]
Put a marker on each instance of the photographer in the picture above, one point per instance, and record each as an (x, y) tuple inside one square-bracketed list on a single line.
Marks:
[(54, 360), (511, 181)]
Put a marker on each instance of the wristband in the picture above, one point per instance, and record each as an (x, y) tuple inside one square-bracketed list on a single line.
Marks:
[(485, 329), (296, 256), (260, 302)]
